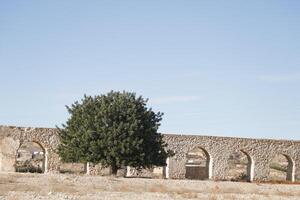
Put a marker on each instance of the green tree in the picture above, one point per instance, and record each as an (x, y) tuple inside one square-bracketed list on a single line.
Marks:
[(116, 130)]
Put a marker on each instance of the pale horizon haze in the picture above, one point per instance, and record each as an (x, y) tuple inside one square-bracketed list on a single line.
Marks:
[(224, 68)]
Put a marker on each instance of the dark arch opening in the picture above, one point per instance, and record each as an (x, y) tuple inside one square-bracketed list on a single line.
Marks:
[(282, 168), (198, 164), (240, 166), (30, 158)]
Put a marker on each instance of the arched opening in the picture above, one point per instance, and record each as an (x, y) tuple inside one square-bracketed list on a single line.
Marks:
[(282, 168), (240, 166), (30, 158), (198, 164)]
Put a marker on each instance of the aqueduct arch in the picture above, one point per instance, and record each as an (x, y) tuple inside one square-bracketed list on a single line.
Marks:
[(259, 153), (12, 138), (31, 157), (198, 164), (241, 166), (282, 167)]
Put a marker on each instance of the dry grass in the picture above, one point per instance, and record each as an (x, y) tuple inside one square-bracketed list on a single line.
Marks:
[(189, 195), (278, 182), (213, 197), (158, 188), (81, 186)]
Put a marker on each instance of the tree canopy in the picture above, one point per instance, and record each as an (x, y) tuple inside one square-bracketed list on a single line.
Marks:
[(116, 130)]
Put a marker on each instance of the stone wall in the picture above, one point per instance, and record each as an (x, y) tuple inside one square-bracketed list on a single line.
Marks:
[(11, 138), (259, 152), (219, 149)]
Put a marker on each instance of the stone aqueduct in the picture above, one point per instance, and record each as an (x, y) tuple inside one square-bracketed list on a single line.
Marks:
[(259, 152)]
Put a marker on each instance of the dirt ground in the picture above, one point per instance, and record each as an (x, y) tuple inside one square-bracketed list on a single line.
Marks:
[(16, 186)]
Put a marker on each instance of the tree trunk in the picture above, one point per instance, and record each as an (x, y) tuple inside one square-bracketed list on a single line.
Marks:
[(114, 170)]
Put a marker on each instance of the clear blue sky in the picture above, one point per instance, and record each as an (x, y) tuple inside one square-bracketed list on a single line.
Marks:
[(228, 68)]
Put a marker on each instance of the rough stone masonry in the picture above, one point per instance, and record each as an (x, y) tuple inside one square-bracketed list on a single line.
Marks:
[(259, 152)]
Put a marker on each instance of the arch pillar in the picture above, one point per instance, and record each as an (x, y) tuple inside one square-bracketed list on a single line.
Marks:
[(46, 161), (166, 169), (177, 166), (297, 169), (210, 167), (250, 166), (52, 162), (218, 167), (87, 168), (290, 169), (9, 147), (261, 170)]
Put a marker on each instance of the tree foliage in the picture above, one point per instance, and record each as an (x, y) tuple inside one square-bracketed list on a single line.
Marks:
[(116, 130)]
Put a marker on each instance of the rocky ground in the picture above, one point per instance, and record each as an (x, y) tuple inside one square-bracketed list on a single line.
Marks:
[(64, 186)]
